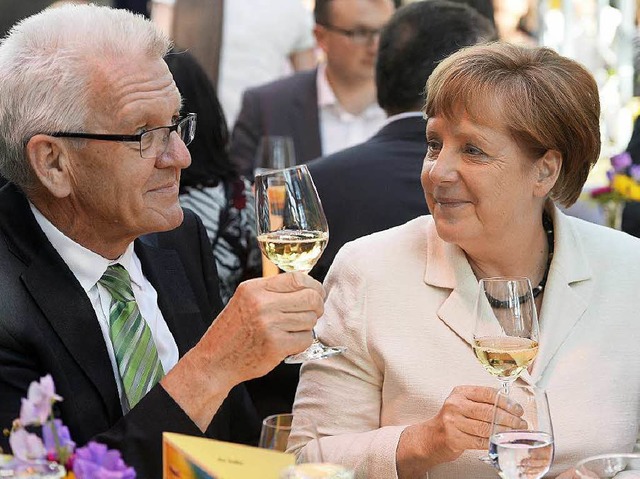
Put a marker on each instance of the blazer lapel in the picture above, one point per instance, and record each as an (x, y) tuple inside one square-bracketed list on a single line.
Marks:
[(59, 296), (305, 122), (447, 267), (566, 294), (165, 271)]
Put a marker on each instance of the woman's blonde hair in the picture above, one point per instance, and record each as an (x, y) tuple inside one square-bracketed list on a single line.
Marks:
[(546, 102)]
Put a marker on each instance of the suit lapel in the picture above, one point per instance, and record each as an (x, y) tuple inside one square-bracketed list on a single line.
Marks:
[(305, 122), (57, 293), (165, 271), (566, 294)]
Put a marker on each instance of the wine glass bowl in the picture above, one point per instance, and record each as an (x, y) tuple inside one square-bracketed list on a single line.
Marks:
[(525, 452), (505, 338), (606, 466), (292, 231)]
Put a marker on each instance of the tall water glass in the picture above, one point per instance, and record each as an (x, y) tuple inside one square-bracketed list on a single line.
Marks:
[(525, 452)]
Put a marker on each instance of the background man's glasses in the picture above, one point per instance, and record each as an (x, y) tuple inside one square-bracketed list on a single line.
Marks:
[(359, 36), (153, 143)]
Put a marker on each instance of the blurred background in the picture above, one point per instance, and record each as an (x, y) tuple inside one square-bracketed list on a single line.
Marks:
[(601, 34)]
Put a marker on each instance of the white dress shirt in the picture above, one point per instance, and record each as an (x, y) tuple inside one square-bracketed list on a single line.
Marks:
[(340, 129), (88, 267)]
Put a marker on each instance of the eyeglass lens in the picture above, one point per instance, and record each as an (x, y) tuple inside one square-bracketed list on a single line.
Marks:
[(153, 143)]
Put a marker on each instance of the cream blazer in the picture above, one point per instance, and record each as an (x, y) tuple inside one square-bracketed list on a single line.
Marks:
[(401, 301)]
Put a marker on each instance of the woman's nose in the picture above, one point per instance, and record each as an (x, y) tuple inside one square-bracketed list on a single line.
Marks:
[(442, 169)]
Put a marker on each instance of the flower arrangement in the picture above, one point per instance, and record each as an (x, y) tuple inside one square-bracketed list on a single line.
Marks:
[(624, 185), (31, 451)]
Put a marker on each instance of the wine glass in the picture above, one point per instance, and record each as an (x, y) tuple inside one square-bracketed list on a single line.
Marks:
[(505, 337), (274, 153), (525, 452), (618, 466), (275, 435), (292, 232)]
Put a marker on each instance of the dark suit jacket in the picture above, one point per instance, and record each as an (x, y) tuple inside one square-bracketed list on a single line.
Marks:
[(366, 188), (631, 213), (47, 325), (285, 107), (372, 186)]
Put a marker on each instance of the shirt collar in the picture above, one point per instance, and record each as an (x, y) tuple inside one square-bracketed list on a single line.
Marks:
[(87, 266), (402, 116), (326, 97)]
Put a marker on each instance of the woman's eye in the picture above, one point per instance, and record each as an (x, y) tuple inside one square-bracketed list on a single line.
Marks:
[(433, 145), (472, 150)]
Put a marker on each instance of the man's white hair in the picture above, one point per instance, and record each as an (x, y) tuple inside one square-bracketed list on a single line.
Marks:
[(45, 67)]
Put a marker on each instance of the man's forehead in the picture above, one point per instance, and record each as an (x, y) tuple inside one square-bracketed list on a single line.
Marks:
[(126, 86)]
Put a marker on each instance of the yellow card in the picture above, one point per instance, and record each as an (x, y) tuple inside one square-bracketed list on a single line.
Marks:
[(189, 457)]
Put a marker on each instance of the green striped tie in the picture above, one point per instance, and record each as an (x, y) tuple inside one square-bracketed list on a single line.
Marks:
[(136, 353)]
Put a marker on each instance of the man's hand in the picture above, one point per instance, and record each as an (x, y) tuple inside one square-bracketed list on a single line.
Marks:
[(463, 422), (266, 320)]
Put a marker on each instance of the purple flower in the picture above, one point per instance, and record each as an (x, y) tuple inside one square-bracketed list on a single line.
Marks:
[(26, 446), (95, 461), (64, 446), (634, 171), (36, 407), (621, 161)]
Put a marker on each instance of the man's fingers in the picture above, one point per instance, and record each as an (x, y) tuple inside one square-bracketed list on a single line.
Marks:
[(289, 282), (296, 322)]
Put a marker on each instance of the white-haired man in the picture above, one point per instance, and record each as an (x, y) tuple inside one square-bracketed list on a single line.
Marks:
[(107, 284)]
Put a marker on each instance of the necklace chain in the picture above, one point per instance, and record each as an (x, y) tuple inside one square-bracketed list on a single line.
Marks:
[(547, 224)]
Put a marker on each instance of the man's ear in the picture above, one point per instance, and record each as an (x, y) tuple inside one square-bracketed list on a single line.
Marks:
[(548, 168), (49, 159), (321, 34)]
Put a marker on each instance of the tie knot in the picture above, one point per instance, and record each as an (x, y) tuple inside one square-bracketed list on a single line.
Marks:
[(117, 281)]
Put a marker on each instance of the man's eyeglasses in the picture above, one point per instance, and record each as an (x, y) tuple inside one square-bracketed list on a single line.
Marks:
[(359, 36), (153, 143)]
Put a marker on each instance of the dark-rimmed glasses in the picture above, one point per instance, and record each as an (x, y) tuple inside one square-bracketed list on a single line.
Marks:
[(153, 142), (360, 36)]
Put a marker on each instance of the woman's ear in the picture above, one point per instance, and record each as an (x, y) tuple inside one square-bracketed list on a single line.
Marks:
[(548, 168), (49, 159)]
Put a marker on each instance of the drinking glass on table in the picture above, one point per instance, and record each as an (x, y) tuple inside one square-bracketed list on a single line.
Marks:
[(525, 452), (605, 466), (505, 337), (274, 153), (275, 435), (292, 231)]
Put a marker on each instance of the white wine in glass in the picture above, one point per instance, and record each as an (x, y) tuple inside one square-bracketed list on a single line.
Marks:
[(526, 452), (292, 232), (505, 337)]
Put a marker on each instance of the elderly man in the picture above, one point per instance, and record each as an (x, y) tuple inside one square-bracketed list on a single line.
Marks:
[(106, 283), (326, 109)]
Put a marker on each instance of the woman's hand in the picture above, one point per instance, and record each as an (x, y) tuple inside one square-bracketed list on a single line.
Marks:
[(463, 422)]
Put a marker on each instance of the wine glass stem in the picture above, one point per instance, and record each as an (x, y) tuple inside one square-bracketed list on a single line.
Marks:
[(506, 385)]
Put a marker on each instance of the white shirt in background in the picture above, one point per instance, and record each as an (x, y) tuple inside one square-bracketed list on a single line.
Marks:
[(340, 129), (257, 38), (88, 267)]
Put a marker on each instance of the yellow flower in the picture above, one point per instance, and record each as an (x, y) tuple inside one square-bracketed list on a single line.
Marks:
[(627, 187)]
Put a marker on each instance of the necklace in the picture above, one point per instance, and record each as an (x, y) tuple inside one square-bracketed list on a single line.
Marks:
[(547, 224)]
